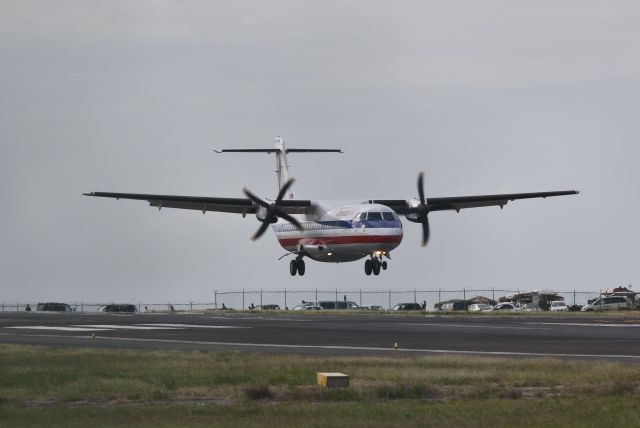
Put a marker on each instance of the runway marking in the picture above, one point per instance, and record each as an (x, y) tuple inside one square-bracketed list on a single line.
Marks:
[(287, 319), (128, 327), (352, 348), (192, 326), (585, 324), (46, 327), (473, 326)]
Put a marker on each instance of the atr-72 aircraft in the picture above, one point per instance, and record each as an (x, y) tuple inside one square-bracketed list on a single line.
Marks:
[(330, 231)]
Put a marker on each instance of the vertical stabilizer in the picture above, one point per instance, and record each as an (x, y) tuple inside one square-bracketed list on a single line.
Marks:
[(282, 166)]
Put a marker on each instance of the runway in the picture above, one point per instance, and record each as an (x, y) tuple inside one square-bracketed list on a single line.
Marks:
[(599, 337)]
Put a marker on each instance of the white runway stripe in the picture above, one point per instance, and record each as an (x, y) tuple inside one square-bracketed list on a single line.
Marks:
[(127, 327), (482, 326), (585, 324), (191, 326), (46, 327)]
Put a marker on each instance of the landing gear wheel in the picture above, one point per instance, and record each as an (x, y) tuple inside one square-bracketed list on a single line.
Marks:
[(301, 267), (368, 267), (384, 265), (376, 266), (293, 267)]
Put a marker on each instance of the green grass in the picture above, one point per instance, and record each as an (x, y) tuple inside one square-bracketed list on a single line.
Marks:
[(40, 385)]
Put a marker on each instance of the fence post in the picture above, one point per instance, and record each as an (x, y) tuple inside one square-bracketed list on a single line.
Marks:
[(464, 293), (336, 304), (261, 299), (493, 294), (82, 307), (215, 299), (415, 296), (243, 299), (389, 299), (574, 296), (191, 305), (285, 298), (439, 296), (361, 297), (316, 300)]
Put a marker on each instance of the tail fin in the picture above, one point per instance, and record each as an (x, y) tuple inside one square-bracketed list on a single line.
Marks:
[(282, 167)]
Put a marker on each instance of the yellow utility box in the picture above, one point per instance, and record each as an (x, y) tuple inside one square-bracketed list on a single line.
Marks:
[(333, 380)]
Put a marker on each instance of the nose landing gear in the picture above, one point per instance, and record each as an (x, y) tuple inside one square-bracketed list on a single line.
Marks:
[(373, 265), (297, 266)]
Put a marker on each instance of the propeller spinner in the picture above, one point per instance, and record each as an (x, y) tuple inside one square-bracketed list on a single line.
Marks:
[(273, 210)]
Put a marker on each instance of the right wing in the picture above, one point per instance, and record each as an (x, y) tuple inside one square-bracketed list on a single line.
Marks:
[(242, 206)]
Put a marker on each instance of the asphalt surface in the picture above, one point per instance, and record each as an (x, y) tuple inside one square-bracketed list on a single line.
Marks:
[(579, 337)]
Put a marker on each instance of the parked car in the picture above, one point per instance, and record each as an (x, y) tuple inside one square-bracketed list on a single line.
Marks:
[(506, 306), (308, 306), (269, 307), (53, 307), (118, 308), (558, 306), (530, 307), (340, 304), (372, 308), (611, 303), (479, 307), (407, 307)]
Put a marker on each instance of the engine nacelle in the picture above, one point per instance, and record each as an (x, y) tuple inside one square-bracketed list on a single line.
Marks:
[(414, 217), (262, 216)]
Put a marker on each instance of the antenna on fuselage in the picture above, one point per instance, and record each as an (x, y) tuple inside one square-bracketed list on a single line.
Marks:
[(282, 166)]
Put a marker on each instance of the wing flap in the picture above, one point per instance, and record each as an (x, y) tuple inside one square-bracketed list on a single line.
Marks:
[(402, 206), (201, 203)]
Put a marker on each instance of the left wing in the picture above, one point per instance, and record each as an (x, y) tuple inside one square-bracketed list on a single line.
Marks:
[(402, 206), (242, 206)]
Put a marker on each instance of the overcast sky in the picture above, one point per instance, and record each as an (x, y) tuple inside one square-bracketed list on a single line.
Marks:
[(485, 97)]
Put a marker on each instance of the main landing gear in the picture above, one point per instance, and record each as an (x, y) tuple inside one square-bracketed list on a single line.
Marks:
[(373, 265), (297, 266)]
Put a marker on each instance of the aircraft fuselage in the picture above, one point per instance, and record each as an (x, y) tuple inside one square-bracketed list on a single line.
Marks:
[(342, 233)]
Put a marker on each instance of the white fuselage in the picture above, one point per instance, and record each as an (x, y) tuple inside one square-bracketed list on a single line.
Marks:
[(342, 232)]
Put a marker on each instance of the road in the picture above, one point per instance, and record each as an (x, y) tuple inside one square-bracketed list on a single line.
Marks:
[(333, 334)]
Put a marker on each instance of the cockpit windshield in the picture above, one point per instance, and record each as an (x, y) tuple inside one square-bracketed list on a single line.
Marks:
[(376, 215)]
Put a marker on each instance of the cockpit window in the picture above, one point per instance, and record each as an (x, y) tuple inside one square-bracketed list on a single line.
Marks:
[(362, 216), (374, 216), (388, 216)]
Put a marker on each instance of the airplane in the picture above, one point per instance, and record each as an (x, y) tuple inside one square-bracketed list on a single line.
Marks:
[(330, 231)]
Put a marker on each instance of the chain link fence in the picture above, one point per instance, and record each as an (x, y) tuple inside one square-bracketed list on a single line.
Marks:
[(288, 299)]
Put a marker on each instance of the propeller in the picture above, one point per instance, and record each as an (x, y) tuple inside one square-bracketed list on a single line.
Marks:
[(422, 211), (274, 211)]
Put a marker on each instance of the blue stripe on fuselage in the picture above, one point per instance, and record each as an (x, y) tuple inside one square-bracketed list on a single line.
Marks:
[(345, 224)]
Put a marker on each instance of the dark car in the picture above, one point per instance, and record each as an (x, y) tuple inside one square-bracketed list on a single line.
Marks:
[(332, 304), (407, 307), (53, 307), (118, 308), (269, 307)]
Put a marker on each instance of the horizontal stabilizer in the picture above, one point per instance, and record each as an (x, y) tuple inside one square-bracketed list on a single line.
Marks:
[(274, 150)]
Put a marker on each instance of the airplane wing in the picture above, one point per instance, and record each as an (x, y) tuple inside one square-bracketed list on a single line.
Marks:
[(242, 206), (402, 206)]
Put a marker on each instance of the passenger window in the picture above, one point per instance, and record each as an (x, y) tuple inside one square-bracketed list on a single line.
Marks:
[(388, 216), (374, 216)]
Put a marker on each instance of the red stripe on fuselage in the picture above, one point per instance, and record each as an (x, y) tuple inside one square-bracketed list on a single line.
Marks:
[(337, 240)]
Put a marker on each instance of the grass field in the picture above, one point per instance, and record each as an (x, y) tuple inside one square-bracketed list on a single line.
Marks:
[(80, 387)]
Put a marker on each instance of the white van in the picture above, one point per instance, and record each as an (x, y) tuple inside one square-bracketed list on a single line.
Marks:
[(610, 303)]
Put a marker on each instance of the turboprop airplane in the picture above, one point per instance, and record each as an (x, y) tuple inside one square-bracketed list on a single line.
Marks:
[(330, 231)]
